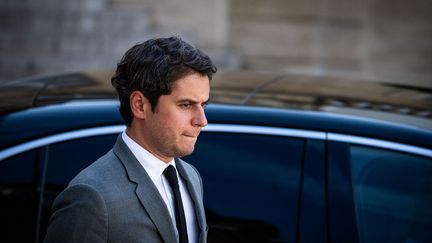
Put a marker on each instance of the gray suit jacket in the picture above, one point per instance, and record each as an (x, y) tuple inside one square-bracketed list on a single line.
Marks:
[(114, 200)]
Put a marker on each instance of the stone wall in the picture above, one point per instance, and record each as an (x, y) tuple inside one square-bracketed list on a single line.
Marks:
[(53, 36), (385, 40)]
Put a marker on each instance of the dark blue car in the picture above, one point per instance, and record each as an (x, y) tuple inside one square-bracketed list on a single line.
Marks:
[(285, 158)]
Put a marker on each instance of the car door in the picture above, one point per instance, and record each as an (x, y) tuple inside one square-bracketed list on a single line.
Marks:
[(253, 184), (38, 171), (379, 191), (19, 185)]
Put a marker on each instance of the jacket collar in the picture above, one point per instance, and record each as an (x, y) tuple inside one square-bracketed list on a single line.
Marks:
[(146, 191), (193, 186)]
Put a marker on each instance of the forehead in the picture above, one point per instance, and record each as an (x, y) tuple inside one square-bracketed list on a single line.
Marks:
[(193, 84)]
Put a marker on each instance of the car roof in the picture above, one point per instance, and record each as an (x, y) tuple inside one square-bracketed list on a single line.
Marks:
[(384, 101), (278, 90), (330, 103), (45, 90)]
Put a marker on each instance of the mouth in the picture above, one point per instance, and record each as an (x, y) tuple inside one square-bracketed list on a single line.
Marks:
[(191, 135)]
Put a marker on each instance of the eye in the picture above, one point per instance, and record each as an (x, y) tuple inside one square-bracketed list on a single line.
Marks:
[(185, 106)]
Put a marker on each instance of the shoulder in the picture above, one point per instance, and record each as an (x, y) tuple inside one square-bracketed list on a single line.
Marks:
[(81, 194), (99, 170), (80, 208)]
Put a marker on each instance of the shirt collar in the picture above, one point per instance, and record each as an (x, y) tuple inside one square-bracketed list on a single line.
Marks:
[(152, 165)]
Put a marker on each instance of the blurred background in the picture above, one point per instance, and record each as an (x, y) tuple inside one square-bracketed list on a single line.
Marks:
[(372, 40)]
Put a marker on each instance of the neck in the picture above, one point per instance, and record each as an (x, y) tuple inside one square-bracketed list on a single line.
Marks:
[(134, 135)]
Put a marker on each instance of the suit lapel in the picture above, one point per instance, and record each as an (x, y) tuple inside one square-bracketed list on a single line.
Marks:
[(193, 188), (146, 192)]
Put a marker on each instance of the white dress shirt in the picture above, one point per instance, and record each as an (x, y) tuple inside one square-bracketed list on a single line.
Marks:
[(155, 168)]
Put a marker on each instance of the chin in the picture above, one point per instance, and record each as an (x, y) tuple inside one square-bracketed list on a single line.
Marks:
[(188, 152), (184, 152)]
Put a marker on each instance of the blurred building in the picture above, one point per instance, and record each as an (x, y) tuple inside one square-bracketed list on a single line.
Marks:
[(380, 40)]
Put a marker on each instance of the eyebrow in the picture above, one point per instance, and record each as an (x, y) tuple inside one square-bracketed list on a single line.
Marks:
[(193, 101)]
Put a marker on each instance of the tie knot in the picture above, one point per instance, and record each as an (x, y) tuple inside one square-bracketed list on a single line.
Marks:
[(171, 175)]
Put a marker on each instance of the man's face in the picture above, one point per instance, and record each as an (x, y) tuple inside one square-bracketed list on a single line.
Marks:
[(173, 128)]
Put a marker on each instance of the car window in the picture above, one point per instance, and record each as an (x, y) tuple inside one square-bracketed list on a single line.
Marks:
[(393, 195), (18, 197), (251, 185), (68, 158)]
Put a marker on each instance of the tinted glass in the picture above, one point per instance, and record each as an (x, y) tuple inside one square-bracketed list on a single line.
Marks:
[(18, 198), (65, 160), (393, 195), (251, 185)]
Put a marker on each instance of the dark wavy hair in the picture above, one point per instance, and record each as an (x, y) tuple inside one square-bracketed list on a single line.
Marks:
[(153, 66)]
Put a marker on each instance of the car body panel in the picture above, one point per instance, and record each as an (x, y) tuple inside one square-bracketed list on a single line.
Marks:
[(313, 121)]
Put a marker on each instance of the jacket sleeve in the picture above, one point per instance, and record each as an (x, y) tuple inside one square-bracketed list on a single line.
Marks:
[(79, 214)]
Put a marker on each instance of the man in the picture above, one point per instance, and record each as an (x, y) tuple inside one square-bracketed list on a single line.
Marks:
[(140, 191)]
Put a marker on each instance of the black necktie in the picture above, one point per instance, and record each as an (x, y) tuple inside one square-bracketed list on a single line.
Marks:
[(171, 175)]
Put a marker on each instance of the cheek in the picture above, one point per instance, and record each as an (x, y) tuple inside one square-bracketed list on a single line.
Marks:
[(177, 119), (173, 122), (169, 127)]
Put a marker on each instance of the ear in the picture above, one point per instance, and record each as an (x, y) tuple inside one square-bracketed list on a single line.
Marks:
[(139, 105)]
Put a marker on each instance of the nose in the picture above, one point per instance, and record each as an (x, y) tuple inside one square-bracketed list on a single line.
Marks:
[(200, 119)]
